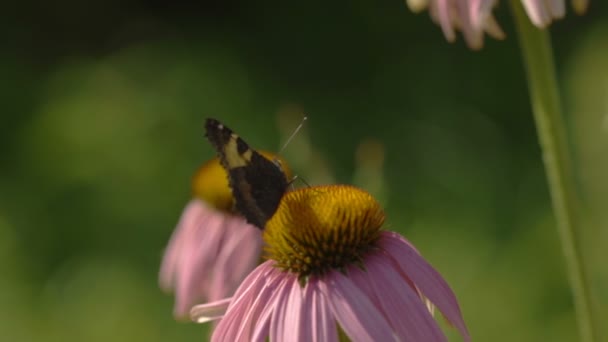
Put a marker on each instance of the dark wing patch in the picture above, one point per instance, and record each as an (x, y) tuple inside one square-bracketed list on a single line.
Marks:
[(257, 183)]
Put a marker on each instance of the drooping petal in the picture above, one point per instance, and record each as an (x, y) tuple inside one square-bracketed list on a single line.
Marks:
[(238, 256), (472, 17), (297, 317), (403, 308), (542, 13), (479, 11), (261, 330), (537, 12), (472, 34), (191, 217), (196, 266), (286, 318), (355, 313), (443, 9), (322, 324), (557, 8), (208, 312), (186, 266), (228, 328), (238, 320), (493, 29), (428, 280), (266, 301)]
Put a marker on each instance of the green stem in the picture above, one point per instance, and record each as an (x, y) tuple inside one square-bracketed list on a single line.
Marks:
[(550, 125)]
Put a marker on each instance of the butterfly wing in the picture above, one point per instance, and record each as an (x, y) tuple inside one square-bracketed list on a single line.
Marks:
[(257, 183)]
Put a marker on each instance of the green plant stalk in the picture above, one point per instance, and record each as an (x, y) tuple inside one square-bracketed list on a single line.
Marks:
[(550, 126)]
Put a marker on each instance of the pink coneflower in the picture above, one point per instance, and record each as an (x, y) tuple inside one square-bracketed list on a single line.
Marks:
[(212, 249), (474, 17), (331, 271)]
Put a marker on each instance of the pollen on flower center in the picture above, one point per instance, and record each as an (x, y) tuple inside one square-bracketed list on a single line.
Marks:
[(317, 229)]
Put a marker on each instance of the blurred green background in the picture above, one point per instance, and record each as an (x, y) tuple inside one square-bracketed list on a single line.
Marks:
[(101, 129)]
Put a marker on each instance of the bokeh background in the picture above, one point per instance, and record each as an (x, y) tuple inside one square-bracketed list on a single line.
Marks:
[(101, 130)]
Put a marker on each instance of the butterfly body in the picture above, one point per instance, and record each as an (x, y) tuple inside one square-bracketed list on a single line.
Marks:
[(257, 183)]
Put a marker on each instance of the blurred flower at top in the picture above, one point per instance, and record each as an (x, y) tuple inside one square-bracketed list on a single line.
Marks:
[(474, 17), (332, 273), (212, 248)]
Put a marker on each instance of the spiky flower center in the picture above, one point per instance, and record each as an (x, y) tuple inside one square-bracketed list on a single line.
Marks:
[(317, 229)]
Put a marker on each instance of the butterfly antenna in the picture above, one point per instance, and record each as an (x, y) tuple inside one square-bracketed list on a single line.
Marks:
[(293, 134), (293, 180)]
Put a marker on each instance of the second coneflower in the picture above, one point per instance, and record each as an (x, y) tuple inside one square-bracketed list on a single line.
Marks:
[(331, 272), (212, 248)]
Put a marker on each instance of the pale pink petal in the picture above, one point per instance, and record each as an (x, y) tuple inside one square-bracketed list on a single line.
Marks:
[(188, 221), (322, 323), (355, 313), (283, 319), (253, 282), (480, 11), (229, 326), (208, 255), (426, 278), (204, 313), (472, 17), (537, 12), (195, 265), (557, 8), (445, 19), (247, 251), (473, 35), (262, 328), (403, 308), (493, 29), (265, 301), (297, 315), (186, 265), (238, 320), (238, 256)]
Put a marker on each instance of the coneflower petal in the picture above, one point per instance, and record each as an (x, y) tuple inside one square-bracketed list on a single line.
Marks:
[(290, 315), (238, 256), (428, 280), (557, 8), (542, 13), (265, 302), (256, 280), (355, 313), (445, 19), (262, 328), (190, 285), (238, 324), (173, 255), (404, 309), (210, 311), (275, 287), (323, 325), (278, 322)]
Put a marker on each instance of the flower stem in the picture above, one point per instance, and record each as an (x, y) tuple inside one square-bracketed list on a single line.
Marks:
[(550, 125)]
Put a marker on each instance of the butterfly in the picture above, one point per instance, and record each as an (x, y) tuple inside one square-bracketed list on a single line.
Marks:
[(257, 183)]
